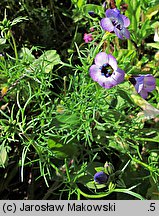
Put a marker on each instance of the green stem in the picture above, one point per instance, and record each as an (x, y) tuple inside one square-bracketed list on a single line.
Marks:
[(14, 46), (64, 79), (95, 196), (67, 171), (130, 46), (102, 41), (78, 195), (151, 169), (118, 190)]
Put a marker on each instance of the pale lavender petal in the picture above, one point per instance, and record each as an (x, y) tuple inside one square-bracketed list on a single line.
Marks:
[(125, 20), (118, 76), (149, 83), (139, 83), (139, 87), (105, 82), (107, 25), (143, 94), (101, 58), (149, 88), (112, 12), (125, 32), (112, 61), (94, 72), (118, 33), (139, 79), (149, 80), (113, 81)]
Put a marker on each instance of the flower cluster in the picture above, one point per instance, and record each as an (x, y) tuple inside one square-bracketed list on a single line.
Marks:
[(105, 70), (88, 37)]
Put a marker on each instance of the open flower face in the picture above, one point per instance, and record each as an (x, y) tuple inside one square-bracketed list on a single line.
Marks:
[(144, 84), (105, 71), (116, 22), (101, 177)]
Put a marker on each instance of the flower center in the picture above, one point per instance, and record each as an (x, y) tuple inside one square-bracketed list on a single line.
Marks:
[(132, 80), (106, 70), (117, 24)]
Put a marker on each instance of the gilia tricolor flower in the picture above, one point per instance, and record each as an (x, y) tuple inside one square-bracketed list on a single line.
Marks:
[(143, 84), (101, 177), (116, 22), (105, 71)]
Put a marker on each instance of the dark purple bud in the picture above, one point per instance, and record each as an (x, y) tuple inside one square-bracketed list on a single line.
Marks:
[(91, 13), (101, 177)]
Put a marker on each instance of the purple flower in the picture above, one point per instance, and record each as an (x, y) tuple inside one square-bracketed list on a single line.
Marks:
[(105, 71), (116, 22), (87, 38), (144, 84), (101, 177)]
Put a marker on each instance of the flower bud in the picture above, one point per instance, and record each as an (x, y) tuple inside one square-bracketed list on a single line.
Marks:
[(101, 177), (109, 168)]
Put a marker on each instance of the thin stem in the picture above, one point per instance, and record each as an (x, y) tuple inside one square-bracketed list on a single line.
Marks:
[(130, 46), (102, 41), (65, 85), (67, 171), (14, 45)]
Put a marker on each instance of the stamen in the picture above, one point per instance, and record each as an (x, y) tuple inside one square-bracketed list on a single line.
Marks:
[(117, 24), (106, 70), (119, 27)]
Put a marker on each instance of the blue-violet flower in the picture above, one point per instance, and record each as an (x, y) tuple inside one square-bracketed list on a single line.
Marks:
[(101, 177), (143, 84), (105, 71), (116, 22)]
